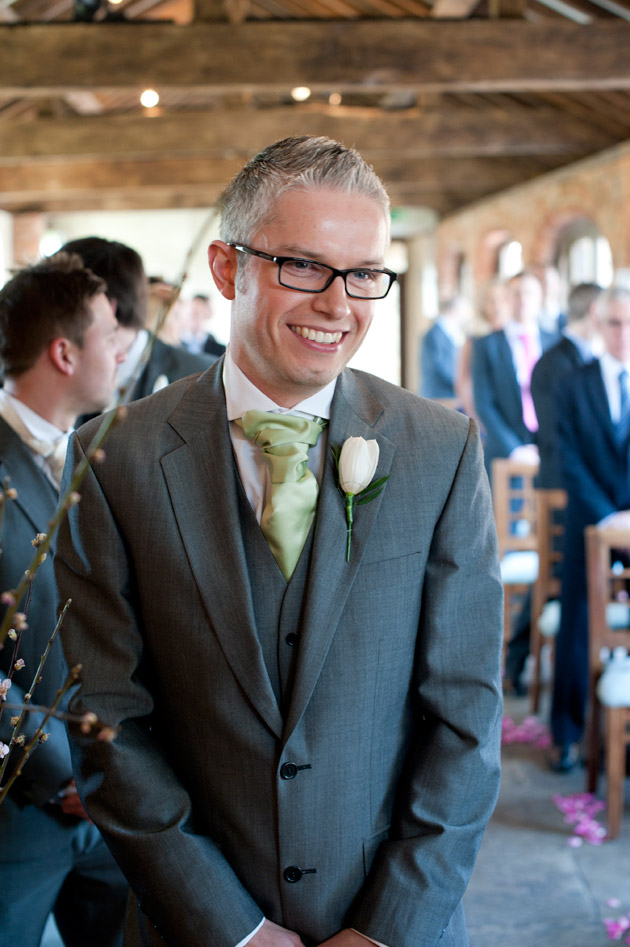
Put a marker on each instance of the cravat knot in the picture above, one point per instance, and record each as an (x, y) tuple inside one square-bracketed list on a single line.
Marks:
[(285, 440)]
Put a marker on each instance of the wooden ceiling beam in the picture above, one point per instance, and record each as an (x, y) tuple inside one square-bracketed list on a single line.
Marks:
[(475, 55), (84, 180), (244, 132)]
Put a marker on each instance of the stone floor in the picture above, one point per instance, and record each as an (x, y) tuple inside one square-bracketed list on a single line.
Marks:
[(529, 887)]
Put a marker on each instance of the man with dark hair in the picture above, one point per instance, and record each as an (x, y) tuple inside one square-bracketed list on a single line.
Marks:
[(122, 269), (59, 349), (571, 351), (310, 716)]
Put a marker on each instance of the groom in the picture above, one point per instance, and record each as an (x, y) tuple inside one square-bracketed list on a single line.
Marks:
[(308, 748)]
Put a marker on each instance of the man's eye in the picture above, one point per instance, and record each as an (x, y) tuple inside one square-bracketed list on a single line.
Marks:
[(365, 276), (302, 268)]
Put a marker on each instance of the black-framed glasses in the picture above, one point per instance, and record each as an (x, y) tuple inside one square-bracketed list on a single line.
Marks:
[(308, 276)]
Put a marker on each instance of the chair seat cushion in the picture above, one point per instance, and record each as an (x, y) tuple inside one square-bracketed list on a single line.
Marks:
[(519, 568)]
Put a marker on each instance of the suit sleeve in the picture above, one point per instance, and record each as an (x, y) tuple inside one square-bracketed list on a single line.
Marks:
[(450, 782), (487, 400), (190, 894)]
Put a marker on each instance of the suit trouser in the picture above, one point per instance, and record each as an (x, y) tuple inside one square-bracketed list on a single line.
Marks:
[(60, 865)]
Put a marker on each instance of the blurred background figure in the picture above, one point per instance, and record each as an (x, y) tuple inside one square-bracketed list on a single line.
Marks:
[(552, 316), (196, 337), (574, 348), (594, 441), (502, 365), (493, 312), (440, 348), (122, 269)]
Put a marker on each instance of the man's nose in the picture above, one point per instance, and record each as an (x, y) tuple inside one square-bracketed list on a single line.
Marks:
[(334, 299)]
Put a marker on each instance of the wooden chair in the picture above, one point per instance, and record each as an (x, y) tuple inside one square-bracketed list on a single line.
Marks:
[(514, 502), (609, 626), (549, 530)]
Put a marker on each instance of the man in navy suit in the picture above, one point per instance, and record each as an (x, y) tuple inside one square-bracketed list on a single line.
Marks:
[(439, 350), (59, 349), (502, 365), (570, 352), (593, 426)]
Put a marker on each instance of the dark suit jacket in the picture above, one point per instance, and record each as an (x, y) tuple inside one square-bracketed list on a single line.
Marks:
[(395, 706), (557, 362), (171, 361), (596, 475), (438, 362), (497, 394), (595, 470), (49, 768)]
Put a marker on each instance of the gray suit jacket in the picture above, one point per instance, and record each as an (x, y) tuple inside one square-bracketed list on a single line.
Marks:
[(395, 708)]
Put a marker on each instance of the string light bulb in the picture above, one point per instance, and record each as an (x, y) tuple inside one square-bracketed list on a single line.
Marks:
[(301, 93), (334, 98), (149, 98)]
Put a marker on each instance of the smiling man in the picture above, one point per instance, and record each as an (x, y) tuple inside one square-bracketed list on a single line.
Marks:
[(309, 737)]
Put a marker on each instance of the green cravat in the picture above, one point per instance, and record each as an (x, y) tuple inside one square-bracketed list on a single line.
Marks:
[(286, 519)]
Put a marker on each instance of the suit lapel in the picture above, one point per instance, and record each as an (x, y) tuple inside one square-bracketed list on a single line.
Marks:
[(354, 413), (201, 477), (596, 394), (36, 496)]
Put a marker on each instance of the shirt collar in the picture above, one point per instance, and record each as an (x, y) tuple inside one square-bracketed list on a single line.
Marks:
[(38, 426), (611, 367), (515, 330), (242, 395), (582, 345)]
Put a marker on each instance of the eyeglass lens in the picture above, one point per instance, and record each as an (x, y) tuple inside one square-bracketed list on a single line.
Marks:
[(313, 277)]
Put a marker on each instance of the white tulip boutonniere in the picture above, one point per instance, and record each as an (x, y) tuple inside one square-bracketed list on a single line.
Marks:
[(356, 463)]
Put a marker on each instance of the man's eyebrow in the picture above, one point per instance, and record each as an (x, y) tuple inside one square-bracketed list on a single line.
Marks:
[(302, 254)]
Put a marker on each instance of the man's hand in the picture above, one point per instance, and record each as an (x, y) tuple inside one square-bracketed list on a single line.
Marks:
[(347, 938), (270, 935), (71, 804)]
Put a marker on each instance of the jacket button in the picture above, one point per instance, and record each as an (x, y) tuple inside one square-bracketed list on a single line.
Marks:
[(292, 874), (288, 771), (292, 638)]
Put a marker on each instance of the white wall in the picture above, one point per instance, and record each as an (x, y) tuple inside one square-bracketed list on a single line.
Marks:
[(163, 239), (6, 246)]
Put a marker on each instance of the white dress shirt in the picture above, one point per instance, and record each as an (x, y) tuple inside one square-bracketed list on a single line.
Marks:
[(30, 426), (611, 369), (240, 396)]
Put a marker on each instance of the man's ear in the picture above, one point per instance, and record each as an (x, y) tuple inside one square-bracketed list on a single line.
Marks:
[(222, 260), (62, 353)]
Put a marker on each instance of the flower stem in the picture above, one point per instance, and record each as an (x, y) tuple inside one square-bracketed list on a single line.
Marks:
[(350, 520)]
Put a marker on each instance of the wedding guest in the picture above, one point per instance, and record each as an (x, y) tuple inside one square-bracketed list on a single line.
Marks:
[(502, 366), (59, 348), (122, 269), (309, 717), (493, 313), (440, 348), (574, 348), (594, 441), (197, 338)]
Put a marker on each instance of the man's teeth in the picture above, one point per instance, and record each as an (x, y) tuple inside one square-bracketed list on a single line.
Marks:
[(313, 335)]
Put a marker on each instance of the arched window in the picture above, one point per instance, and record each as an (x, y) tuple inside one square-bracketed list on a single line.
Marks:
[(509, 259), (584, 254)]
